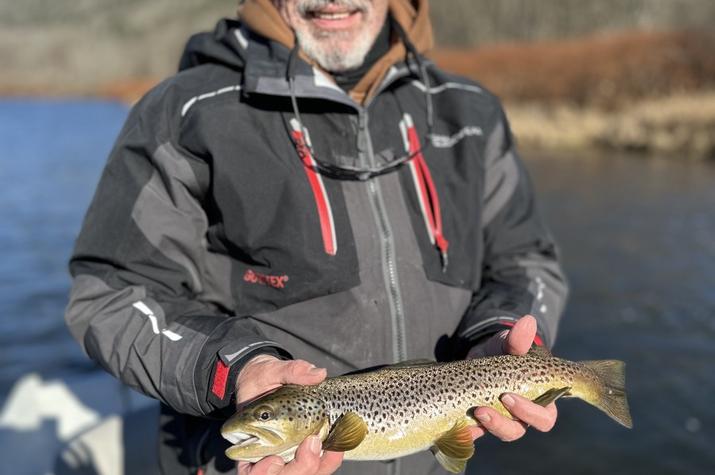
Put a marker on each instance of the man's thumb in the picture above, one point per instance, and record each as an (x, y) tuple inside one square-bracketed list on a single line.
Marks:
[(301, 372), (521, 336)]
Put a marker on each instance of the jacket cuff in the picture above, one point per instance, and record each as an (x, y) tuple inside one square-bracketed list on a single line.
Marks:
[(222, 382), (219, 362)]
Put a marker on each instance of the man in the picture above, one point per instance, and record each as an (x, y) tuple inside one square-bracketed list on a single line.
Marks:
[(309, 190)]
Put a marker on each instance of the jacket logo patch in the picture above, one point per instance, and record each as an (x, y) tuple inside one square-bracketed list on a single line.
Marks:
[(275, 281)]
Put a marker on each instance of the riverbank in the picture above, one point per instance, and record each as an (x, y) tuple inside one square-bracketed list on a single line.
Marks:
[(650, 92)]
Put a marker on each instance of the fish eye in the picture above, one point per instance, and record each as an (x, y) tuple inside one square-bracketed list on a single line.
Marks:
[(263, 413)]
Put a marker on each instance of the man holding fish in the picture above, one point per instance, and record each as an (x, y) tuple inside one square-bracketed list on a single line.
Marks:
[(310, 195)]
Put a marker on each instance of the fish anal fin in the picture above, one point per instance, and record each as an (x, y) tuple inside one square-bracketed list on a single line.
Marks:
[(552, 395), (450, 464), (346, 434), (457, 442)]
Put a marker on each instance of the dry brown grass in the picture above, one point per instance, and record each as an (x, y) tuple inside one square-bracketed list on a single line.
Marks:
[(678, 125), (602, 71)]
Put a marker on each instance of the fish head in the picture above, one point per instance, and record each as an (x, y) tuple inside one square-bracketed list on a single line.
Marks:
[(275, 424)]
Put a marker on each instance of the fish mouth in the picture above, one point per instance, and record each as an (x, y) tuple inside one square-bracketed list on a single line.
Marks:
[(240, 439), (243, 437)]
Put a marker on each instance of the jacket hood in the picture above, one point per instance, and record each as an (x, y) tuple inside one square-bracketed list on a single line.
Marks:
[(217, 47)]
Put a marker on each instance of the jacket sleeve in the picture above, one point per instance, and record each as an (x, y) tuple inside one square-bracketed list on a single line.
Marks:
[(151, 299), (520, 272)]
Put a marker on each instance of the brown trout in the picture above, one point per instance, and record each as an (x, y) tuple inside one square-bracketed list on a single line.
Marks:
[(405, 408)]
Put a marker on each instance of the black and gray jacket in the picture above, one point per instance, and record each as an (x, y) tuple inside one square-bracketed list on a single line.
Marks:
[(214, 235)]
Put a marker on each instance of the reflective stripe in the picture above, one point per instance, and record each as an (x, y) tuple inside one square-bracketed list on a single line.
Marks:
[(188, 104)]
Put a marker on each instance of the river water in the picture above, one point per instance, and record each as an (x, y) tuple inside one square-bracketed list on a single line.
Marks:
[(638, 242)]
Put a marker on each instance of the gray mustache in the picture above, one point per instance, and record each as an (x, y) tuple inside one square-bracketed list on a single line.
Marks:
[(306, 6)]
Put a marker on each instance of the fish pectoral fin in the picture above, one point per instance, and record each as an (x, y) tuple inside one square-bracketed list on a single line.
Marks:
[(457, 442), (448, 463), (551, 395), (347, 433)]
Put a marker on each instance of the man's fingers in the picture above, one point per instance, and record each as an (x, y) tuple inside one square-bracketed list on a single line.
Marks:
[(307, 458), (538, 417), (330, 462), (476, 432), (521, 336), (501, 427), (268, 466), (307, 461)]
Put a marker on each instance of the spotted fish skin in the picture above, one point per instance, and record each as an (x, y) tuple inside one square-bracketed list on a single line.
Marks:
[(408, 408)]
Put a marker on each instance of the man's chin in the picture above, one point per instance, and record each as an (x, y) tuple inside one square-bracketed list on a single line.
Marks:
[(335, 56)]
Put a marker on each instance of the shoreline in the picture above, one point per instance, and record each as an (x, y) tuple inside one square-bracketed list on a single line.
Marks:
[(681, 126), (646, 92)]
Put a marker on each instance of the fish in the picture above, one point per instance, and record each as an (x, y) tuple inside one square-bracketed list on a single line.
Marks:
[(398, 410)]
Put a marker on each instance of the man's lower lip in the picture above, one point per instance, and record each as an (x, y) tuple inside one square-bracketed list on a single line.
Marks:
[(336, 23)]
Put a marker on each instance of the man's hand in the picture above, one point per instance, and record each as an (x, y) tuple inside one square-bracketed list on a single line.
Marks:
[(515, 341), (260, 375)]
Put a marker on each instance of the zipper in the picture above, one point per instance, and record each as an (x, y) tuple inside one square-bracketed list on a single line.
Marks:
[(387, 245), (301, 139)]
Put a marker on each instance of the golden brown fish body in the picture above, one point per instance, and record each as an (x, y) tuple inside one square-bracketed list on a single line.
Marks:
[(403, 409)]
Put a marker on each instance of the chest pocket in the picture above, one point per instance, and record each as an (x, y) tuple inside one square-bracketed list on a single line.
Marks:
[(288, 234), (444, 193)]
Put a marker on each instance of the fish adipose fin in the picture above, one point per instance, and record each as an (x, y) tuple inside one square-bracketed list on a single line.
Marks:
[(610, 395), (551, 395), (454, 447), (347, 433)]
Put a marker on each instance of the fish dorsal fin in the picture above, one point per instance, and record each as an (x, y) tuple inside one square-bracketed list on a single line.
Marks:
[(551, 395), (347, 433), (540, 351), (454, 447)]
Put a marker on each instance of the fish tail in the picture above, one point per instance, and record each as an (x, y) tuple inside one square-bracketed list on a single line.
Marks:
[(610, 394)]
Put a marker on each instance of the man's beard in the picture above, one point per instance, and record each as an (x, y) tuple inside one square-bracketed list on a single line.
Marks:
[(334, 60), (318, 44)]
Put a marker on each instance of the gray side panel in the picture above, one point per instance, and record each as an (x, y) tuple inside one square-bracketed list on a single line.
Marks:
[(502, 175), (169, 215), (104, 320)]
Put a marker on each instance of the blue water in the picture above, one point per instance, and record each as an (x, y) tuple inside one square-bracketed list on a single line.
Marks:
[(638, 242), (51, 155)]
